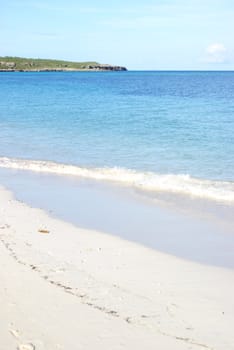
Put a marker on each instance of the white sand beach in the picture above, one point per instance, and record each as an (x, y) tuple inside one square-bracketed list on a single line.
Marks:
[(68, 288)]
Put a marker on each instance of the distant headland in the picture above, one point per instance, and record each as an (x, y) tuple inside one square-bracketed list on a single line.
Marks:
[(19, 64)]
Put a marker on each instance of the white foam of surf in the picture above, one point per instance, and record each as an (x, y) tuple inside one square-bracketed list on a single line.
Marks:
[(178, 184)]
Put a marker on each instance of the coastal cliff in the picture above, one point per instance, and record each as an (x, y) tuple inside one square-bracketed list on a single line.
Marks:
[(18, 64)]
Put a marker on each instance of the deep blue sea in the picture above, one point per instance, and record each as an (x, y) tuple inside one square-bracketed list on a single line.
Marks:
[(158, 131)]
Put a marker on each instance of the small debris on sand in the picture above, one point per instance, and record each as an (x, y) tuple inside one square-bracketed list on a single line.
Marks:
[(43, 231)]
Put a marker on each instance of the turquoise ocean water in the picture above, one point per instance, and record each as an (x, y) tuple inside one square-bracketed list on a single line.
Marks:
[(170, 132)]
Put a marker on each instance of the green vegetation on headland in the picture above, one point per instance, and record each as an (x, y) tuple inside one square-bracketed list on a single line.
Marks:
[(18, 64)]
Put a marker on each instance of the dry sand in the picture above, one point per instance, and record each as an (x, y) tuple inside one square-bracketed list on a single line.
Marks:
[(62, 287)]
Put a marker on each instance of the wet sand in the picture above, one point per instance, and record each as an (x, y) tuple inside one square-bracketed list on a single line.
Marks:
[(63, 287)]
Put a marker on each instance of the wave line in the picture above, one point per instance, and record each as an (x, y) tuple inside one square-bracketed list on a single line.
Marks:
[(221, 191)]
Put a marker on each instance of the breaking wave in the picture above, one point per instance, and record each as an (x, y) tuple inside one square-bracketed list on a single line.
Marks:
[(221, 191)]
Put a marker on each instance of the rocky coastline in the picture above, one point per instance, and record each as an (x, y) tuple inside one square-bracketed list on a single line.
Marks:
[(29, 65)]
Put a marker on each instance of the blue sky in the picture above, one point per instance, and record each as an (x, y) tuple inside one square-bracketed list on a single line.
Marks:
[(160, 34)]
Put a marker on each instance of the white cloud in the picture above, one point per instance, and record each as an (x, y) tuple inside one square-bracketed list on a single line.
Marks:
[(216, 53)]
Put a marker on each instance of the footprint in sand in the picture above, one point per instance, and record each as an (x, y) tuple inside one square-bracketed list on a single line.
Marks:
[(26, 347), (14, 332), (2, 227)]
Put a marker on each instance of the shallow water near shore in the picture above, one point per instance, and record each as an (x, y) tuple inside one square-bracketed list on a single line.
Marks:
[(173, 124), (196, 232)]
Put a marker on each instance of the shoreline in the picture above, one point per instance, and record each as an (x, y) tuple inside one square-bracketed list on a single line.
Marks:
[(56, 70), (193, 230), (87, 282), (184, 185), (101, 69)]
